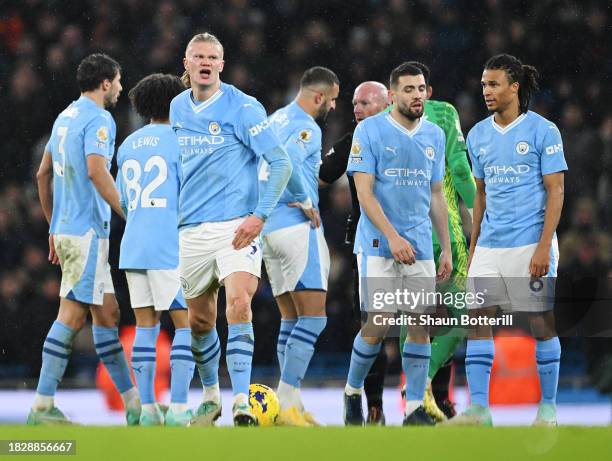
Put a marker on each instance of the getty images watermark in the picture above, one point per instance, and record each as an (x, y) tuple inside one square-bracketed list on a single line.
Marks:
[(407, 302)]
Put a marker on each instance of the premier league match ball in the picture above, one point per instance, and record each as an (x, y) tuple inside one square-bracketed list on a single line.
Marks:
[(264, 404)]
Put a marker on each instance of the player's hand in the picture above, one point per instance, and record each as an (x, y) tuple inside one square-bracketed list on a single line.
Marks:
[(401, 250), (247, 232), (540, 261), (311, 213), (53, 258), (445, 266), (470, 256)]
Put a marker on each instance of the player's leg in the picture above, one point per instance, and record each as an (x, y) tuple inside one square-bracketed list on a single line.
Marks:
[(199, 281), (541, 292), (144, 359), (373, 387), (444, 345), (485, 276), (56, 352), (416, 353), (273, 244), (105, 319), (297, 262), (144, 348), (365, 348), (182, 365), (310, 305), (288, 320), (419, 277), (206, 350), (239, 290), (548, 357), (308, 293), (167, 295), (375, 380), (535, 296)]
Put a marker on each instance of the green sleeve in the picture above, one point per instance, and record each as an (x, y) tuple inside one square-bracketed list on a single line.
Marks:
[(456, 158)]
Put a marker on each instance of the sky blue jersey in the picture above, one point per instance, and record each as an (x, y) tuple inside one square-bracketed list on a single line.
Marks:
[(148, 182), (404, 164), (82, 129), (512, 161), (220, 141), (301, 138)]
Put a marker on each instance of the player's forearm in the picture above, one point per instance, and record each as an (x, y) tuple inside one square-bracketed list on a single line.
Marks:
[(44, 179), (373, 210), (104, 184), (280, 172), (439, 218), (552, 215), (45, 194), (480, 201)]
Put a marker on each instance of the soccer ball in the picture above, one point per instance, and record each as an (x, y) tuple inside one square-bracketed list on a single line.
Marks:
[(264, 404)]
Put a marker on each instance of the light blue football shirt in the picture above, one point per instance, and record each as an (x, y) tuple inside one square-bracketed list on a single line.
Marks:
[(301, 138), (82, 129), (404, 164), (148, 182), (512, 161), (220, 141)]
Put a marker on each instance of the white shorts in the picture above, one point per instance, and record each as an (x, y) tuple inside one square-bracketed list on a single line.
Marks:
[(296, 258), (85, 270), (206, 256), (501, 277), (379, 275), (158, 288)]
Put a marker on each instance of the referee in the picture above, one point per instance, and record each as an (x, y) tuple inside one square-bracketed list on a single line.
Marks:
[(369, 99)]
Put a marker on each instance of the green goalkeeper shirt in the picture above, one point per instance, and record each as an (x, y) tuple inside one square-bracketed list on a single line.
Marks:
[(458, 180)]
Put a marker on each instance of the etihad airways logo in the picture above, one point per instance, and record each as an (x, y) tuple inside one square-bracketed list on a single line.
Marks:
[(407, 173), (199, 140), (505, 174), (506, 169)]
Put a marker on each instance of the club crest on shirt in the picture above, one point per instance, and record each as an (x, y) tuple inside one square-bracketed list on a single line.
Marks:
[(214, 128), (356, 147), (522, 148), (102, 134), (430, 153)]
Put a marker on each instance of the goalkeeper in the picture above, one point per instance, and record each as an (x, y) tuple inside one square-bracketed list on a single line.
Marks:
[(458, 180)]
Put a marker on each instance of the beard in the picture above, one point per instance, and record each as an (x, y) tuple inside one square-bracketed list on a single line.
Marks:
[(110, 102), (321, 116), (409, 113)]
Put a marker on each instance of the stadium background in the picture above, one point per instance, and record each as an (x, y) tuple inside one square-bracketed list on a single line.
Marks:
[(268, 44)]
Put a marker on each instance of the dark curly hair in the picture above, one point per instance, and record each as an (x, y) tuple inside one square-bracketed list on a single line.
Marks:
[(94, 69), (152, 95)]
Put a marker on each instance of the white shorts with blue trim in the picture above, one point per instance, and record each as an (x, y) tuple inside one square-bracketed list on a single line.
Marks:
[(85, 270), (501, 277), (160, 289), (207, 257), (379, 275), (296, 258)]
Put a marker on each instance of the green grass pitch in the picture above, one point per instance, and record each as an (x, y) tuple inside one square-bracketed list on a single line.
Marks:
[(317, 444)]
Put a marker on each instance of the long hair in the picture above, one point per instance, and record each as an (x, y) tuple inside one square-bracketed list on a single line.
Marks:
[(525, 75), (205, 37)]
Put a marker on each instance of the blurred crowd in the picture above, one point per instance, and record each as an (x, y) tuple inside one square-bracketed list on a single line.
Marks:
[(268, 44)]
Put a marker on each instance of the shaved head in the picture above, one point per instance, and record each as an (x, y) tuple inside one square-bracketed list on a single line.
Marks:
[(369, 99)]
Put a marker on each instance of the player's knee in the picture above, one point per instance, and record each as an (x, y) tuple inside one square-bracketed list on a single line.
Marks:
[(239, 303), (201, 324)]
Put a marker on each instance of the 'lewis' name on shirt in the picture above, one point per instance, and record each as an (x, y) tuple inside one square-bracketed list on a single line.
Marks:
[(145, 141)]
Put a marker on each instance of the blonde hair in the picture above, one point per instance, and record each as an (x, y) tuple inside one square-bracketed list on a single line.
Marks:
[(205, 37)]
